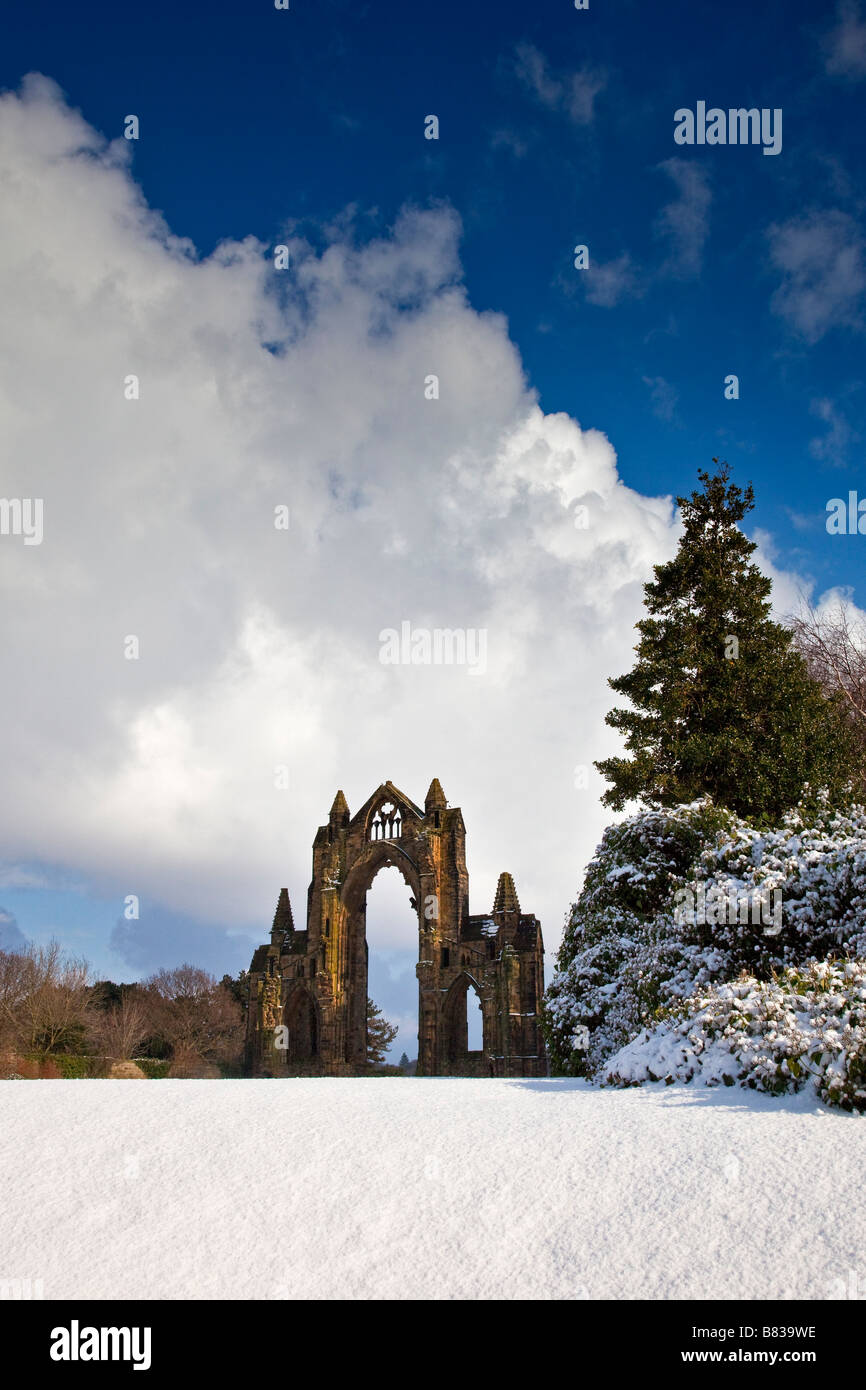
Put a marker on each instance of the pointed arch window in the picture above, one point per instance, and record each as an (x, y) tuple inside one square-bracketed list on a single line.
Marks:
[(387, 822)]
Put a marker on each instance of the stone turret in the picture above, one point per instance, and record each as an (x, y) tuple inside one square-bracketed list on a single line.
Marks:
[(435, 798), (506, 906), (339, 811), (284, 923)]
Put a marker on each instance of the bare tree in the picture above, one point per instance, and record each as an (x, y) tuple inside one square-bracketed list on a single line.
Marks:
[(57, 1008), (832, 642), (16, 982), (44, 997), (197, 1016), (119, 1030)]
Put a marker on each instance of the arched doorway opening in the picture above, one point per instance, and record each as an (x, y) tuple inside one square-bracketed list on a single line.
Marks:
[(474, 1022), (463, 1029), (391, 935)]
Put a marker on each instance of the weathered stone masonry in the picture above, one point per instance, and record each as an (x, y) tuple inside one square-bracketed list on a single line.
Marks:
[(315, 981)]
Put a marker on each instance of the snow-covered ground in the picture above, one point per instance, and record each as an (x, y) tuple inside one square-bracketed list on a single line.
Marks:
[(402, 1188)]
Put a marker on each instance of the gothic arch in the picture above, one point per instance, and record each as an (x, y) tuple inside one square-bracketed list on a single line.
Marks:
[(352, 966), (375, 856), (455, 1025)]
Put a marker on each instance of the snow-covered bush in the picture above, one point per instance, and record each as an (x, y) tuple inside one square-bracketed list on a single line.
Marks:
[(678, 900), (806, 1026)]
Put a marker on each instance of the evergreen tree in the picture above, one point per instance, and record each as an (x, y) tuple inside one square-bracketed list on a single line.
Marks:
[(722, 704), (238, 988), (380, 1035), (404, 1064)]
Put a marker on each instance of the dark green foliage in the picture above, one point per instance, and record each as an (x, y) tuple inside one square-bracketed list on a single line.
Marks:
[(804, 1026), (69, 1066), (238, 988), (671, 904), (106, 994), (153, 1067), (71, 1038), (77, 1067), (157, 1047), (631, 880), (380, 1035), (749, 730), (636, 868)]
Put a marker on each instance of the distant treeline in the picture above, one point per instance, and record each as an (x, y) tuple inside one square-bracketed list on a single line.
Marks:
[(51, 1011)]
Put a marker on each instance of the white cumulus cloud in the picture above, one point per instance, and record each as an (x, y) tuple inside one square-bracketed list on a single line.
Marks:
[(259, 648)]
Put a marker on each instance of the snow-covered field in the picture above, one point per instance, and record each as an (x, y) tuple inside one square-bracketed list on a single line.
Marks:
[(401, 1188)]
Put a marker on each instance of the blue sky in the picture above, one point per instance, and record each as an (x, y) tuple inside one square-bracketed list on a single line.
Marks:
[(556, 128), (255, 117)]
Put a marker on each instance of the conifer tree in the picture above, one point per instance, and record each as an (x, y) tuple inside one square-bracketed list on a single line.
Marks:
[(380, 1035), (722, 704)]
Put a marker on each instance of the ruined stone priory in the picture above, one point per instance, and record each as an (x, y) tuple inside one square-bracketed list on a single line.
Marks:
[(308, 989)]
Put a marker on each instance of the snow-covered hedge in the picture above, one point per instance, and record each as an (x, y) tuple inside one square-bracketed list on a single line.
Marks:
[(806, 1026), (675, 901)]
